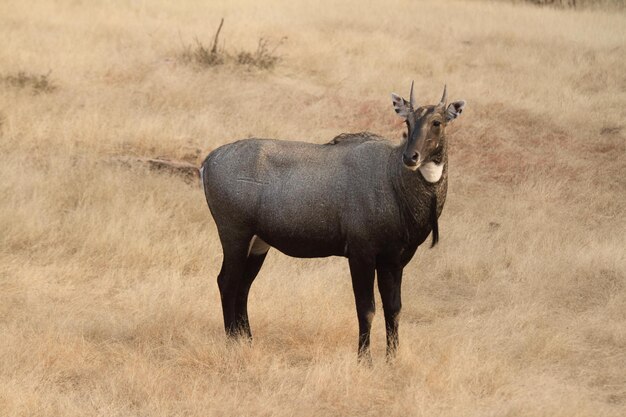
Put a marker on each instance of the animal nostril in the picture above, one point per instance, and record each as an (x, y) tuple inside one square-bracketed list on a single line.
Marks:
[(416, 156)]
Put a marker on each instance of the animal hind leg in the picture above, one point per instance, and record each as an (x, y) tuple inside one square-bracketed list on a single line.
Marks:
[(253, 266), (230, 280)]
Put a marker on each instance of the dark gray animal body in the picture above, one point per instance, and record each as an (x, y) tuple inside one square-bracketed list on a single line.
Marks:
[(354, 197)]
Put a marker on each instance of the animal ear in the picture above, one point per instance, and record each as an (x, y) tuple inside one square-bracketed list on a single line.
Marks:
[(400, 105), (454, 110)]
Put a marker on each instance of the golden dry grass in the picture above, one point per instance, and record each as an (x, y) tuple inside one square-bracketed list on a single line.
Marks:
[(108, 300)]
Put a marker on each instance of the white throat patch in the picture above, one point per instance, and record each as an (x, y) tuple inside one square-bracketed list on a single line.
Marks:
[(431, 171)]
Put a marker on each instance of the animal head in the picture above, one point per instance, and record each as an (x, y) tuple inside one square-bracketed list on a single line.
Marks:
[(426, 128)]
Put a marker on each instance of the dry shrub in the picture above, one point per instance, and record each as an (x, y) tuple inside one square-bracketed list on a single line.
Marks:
[(38, 83), (264, 57), (201, 55)]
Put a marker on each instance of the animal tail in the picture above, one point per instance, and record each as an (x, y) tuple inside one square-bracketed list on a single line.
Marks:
[(434, 223), (202, 172)]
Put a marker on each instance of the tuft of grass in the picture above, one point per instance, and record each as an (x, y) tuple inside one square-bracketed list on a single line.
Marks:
[(38, 83), (201, 55), (265, 57), (577, 4), (554, 3)]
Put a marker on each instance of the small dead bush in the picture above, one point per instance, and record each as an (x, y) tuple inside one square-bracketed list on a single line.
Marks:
[(201, 55), (265, 57), (38, 83)]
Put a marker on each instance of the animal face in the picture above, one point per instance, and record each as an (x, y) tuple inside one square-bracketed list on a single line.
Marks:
[(426, 129)]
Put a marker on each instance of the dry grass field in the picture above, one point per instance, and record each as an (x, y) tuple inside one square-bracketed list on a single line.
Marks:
[(108, 298)]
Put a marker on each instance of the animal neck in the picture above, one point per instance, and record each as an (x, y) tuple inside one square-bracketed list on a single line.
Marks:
[(421, 199)]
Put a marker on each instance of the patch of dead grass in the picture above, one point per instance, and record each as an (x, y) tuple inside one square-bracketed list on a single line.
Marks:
[(37, 83), (108, 300), (264, 57)]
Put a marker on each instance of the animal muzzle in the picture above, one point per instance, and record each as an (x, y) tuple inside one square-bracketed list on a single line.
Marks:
[(412, 161)]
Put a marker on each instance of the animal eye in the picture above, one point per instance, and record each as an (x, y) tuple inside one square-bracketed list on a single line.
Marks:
[(436, 123)]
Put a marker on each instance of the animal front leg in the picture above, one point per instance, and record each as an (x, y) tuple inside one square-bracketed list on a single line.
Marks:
[(389, 285), (362, 272)]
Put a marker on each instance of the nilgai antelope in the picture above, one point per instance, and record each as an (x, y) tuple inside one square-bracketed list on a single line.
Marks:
[(359, 196)]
